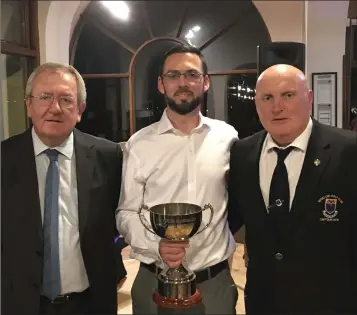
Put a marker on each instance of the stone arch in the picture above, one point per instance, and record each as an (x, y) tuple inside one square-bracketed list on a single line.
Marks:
[(57, 20)]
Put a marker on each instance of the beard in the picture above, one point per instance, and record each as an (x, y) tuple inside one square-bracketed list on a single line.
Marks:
[(183, 108)]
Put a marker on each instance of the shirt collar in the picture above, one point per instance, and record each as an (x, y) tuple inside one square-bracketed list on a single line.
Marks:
[(300, 142), (165, 124), (65, 148)]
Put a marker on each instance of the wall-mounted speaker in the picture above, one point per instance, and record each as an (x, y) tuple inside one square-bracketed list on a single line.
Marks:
[(290, 53)]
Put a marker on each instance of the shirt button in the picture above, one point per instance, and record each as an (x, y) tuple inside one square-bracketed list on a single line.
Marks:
[(278, 256)]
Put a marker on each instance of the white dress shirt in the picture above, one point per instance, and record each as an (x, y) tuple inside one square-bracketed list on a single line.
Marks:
[(73, 273), (293, 162), (163, 165)]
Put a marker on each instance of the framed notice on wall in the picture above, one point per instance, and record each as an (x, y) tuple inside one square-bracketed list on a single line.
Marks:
[(324, 87)]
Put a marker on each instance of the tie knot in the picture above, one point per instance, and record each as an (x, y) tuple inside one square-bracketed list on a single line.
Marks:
[(283, 153), (52, 154)]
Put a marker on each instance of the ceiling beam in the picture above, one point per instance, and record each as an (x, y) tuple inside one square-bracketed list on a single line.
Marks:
[(109, 34), (182, 21), (145, 14), (225, 29)]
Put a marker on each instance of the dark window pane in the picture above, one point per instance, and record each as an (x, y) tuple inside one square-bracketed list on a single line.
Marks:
[(97, 53), (13, 21), (16, 71), (107, 112)]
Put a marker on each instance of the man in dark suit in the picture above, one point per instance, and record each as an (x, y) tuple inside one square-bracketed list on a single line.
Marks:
[(293, 186), (60, 188)]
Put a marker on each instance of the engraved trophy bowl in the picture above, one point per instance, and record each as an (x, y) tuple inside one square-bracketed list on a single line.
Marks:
[(176, 222)]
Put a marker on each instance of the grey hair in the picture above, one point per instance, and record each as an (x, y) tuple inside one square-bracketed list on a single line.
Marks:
[(61, 67)]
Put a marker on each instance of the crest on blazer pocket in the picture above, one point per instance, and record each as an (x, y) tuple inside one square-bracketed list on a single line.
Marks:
[(330, 208)]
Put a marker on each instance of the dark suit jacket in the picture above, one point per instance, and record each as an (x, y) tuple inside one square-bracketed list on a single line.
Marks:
[(317, 270), (99, 166)]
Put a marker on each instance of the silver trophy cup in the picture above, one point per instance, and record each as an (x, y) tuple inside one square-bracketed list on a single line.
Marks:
[(176, 222)]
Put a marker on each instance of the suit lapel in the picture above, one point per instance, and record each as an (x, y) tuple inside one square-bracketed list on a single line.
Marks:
[(85, 164), (316, 160), (258, 204), (24, 179)]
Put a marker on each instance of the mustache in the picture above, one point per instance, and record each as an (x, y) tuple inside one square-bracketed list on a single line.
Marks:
[(183, 90)]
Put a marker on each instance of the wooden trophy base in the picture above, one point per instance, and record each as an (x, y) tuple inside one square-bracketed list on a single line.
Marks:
[(164, 302)]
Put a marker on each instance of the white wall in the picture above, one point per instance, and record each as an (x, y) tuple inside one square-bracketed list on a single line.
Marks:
[(319, 24), (325, 41), (284, 19), (57, 20)]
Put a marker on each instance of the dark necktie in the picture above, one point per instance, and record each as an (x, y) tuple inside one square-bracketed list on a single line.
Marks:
[(279, 195), (51, 284)]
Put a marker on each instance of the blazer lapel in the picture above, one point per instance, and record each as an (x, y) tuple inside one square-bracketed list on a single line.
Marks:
[(25, 183), (258, 204), (316, 160), (85, 163)]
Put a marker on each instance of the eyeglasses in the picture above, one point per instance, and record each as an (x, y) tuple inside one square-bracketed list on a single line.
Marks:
[(190, 75), (46, 100)]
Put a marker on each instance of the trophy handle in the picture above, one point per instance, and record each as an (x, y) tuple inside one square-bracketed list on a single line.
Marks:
[(207, 206), (143, 220)]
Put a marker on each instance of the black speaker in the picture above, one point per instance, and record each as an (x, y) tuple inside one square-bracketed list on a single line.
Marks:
[(289, 53)]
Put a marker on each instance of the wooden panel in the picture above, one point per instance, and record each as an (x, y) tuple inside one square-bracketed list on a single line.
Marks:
[(105, 75), (229, 72), (12, 49), (352, 9), (35, 40)]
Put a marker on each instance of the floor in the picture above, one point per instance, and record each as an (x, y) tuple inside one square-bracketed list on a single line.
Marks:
[(124, 298)]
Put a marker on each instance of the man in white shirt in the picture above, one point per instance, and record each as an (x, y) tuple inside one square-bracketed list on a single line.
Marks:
[(293, 187), (182, 158), (59, 195)]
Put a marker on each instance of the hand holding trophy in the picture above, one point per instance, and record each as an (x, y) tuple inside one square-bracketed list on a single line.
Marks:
[(176, 222)]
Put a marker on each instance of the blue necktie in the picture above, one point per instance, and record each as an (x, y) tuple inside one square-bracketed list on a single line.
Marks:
[(51, 284)]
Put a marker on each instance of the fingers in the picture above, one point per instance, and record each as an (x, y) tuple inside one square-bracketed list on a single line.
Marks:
[(181, 244), (173, 253)]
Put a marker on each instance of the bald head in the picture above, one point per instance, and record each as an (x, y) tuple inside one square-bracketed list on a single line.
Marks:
[(283, 102), (280, 71)]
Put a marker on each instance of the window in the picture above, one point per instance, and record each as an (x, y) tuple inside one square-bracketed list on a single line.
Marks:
[(19, 56), (16, 70)]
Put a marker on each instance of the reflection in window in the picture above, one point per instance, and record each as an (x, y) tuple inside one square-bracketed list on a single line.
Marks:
[(107, 112), (242, 114), (16, 70), (13, 21)]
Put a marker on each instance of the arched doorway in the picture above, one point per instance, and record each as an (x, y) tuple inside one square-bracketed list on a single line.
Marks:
[(118, 51), (148, 102)]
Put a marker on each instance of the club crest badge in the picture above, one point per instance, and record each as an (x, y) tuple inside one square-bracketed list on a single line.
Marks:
[(330, 208)]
